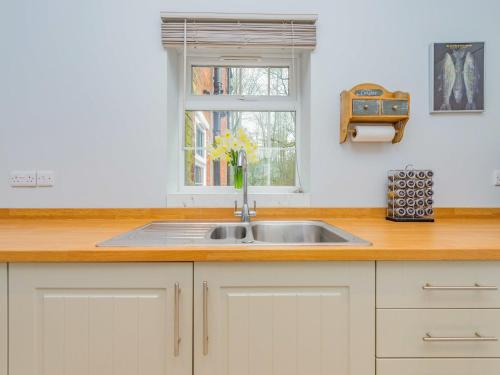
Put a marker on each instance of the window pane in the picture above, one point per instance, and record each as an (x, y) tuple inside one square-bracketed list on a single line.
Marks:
[(273, 132), (278, 78), (226, 80), (248, 81), (198, 175), (200, 141), (276, 167)]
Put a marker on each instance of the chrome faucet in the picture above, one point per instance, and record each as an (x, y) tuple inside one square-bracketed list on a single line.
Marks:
[(245, 211)]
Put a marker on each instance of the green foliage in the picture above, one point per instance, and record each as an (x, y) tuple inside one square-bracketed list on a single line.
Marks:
[(189, 153)]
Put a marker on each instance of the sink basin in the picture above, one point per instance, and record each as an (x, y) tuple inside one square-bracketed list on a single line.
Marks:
[(295, 232), (258, 232), (228, 231)]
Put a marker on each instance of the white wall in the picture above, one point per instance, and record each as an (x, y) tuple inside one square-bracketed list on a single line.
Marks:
[(83, 92)]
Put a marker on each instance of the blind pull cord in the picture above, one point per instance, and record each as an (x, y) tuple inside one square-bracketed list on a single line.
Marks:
[(299, 189)]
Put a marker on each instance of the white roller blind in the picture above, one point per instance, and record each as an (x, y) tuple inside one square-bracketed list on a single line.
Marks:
[(239, 31)]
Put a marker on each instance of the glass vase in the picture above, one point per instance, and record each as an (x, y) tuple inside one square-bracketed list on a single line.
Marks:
[(238, 177)]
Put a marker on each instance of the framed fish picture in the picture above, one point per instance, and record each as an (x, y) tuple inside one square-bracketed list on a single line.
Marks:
[(457, 77)]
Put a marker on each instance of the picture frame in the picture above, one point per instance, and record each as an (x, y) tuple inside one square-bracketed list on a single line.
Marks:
[(457, 77)]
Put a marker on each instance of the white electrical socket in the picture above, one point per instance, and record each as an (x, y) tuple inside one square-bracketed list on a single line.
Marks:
[(45, 178), (496, 177), (22, 178)]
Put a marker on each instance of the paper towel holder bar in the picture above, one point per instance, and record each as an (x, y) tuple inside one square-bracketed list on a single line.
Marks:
[(353, 130), (369, 103)]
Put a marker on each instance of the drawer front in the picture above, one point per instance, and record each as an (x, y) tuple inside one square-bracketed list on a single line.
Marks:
[(365, 107), (452, 333), (395, 107), (450, 284), (438, 366)]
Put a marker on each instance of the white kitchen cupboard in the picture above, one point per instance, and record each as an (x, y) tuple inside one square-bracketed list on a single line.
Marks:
[(438, 317), (284, 318), (3, 319), (100, 319), (438, 284), (420, 333)]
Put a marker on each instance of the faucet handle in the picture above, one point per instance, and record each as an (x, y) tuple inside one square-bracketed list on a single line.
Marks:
[(254, 211), (236, 211)]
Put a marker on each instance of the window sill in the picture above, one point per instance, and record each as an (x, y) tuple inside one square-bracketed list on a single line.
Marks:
[(227, 199)]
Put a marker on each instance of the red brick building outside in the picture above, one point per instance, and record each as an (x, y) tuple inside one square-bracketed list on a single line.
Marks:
[(203, 127)]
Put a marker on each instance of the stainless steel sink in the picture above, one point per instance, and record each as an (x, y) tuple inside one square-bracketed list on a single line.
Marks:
[(289, 232), (296, 232), (223, 232)]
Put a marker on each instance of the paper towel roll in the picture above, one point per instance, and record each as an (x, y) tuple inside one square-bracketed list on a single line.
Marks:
[(373, 133)]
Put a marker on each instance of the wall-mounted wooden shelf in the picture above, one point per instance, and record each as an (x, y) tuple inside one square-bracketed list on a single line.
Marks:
[(371, 103)]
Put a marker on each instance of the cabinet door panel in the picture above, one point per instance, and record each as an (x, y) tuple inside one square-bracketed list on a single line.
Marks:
[(314, 318), (98, 319), (402, 333), (438, 284), (3, 319)]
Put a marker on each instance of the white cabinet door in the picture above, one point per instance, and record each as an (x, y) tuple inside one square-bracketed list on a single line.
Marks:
[(284, 318), (438, 284), (403, 333), (99, 319), (3, 319)]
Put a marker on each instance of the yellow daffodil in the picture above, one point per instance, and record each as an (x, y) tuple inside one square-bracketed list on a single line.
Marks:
[(227, 145)]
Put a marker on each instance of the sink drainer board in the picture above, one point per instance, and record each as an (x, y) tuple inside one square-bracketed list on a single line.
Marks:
[(259, 232)]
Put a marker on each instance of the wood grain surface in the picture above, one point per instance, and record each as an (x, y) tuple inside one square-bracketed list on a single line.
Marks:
[(71, 235)]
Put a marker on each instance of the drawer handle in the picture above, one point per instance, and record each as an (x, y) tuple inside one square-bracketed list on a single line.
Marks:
[(395, 107), (177, 337), (476, 337), (476, 286), (365, 107)]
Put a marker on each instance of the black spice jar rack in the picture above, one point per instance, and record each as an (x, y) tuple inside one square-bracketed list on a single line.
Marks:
[(410, 195)]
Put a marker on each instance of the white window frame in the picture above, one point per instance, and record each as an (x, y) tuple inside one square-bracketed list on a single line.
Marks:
[(291, 102), (200, 124)]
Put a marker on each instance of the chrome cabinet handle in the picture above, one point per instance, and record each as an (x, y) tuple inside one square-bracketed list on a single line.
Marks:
[(205, 318), (476, 337), (177, 338), (476, 286)]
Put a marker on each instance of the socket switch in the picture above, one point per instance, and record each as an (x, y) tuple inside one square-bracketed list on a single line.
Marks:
[(496, 177), (45, 178), (23, 178)]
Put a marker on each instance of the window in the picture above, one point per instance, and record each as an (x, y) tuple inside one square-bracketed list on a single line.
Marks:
[(197, 143), (199, 175), (226, 80), (256, 94), (200, 141)]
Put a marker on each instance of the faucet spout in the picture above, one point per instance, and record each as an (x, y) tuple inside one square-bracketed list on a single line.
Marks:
[(242, 159), (245, 212)]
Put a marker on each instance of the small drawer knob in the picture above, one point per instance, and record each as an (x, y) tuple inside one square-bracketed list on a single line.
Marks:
[(365, 107), (395, 107)]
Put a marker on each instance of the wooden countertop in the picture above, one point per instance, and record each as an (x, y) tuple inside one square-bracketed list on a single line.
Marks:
[(70, 236)]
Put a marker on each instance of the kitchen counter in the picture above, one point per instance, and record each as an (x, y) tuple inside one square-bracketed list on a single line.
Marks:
[(71, 236)]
